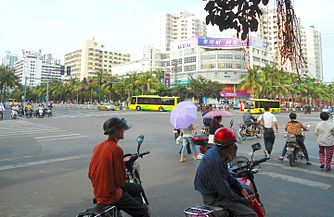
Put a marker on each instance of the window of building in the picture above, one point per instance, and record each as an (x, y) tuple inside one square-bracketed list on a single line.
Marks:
[(190, 68), (190, 59)]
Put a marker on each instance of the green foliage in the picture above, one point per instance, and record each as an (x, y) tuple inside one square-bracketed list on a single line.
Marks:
[(239, 15)]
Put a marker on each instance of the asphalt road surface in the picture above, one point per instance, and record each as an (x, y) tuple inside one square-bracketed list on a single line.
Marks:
[(43, 166)]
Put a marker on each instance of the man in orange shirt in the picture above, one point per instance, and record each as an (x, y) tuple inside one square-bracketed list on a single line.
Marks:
[(107, 172)]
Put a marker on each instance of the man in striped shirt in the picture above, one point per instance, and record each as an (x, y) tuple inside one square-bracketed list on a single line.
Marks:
[(214, 181)]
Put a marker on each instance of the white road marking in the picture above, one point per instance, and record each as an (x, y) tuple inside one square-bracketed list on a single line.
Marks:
[(297, 180), (43, 137), (29, 164), (313, 172), (18, 134), (63, 138)]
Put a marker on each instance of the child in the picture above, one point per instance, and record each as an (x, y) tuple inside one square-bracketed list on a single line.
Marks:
[(325, 137)]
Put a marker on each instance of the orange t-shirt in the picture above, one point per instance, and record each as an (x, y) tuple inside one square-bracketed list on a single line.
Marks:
[(107, 172)]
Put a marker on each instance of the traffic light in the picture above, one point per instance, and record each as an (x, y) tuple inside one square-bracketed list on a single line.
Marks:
[(62, 70), (298, 83), (68, 70)]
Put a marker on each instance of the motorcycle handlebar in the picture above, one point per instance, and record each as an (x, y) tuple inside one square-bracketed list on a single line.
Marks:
[(142, 154), (257, 162)]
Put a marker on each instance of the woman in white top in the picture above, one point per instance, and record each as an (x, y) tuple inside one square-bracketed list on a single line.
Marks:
[(325, 137)]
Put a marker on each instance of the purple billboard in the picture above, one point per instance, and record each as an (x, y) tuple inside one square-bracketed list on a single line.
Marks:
[(221, 42)]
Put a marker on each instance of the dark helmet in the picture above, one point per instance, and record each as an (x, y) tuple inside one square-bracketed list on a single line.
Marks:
[(224, 137), (113, 123), (293, 116)]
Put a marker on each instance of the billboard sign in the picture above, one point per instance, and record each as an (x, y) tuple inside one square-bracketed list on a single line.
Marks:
[(221, 42)]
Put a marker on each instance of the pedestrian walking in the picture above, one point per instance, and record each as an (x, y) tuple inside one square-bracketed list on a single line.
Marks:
[(269, 121), (325, 138), (187, 134), (2, 110)]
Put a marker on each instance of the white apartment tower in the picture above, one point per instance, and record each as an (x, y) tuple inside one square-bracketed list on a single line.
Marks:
[(268, 30), (35, 68), (311, 46), (178, 27), (93, 58), (9, 59)]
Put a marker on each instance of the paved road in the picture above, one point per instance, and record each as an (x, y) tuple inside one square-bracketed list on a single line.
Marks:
[(43, 167)]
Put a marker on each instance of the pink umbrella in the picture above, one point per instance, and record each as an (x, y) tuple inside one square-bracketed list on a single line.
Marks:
[(183, 115), (216, 113)]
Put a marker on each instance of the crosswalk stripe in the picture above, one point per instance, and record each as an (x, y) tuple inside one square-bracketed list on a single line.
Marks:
[(63, 135), (297, 180), (64, 138), (18, 134), (312, 172), (28, 164)]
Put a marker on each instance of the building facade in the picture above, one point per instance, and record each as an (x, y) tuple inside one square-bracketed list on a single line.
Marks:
[(35, 68), (92, 58), (172, 27), (310, 40), (9, 59), (218, 59), (312, 51)]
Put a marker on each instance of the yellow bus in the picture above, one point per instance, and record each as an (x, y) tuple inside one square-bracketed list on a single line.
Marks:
[(256, 105), (153, 102)]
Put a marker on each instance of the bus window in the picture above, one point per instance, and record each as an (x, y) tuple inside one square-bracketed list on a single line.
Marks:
[(133, 100)]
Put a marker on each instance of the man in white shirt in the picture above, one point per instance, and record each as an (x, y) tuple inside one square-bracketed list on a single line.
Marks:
[(2, 109), (269, 121)]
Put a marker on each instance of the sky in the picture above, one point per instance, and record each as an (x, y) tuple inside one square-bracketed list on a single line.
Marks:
[(61, 26)]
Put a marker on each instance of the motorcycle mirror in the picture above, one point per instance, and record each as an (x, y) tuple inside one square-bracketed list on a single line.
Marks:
[(256, 146), (139, 140), (231, 123)]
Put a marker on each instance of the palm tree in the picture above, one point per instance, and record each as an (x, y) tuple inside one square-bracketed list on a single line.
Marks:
[(8, 80), (249, 81)]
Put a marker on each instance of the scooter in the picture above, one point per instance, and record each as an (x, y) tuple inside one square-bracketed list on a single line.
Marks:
[(243, 169), (204, 140), (13, 114), (294, 152), (40, 113), (132, 176), (251, 130)]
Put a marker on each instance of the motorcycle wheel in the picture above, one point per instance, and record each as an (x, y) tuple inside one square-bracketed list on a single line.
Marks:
[(242, 134), (258, 132), (292, 160)]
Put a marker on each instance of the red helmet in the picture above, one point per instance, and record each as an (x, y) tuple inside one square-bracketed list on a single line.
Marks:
[(224, 137)]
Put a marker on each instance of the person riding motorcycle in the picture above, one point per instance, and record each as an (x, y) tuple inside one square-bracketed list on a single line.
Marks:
[(249, 119), (215, 124), (108, 175), (214, 181), (296, 128)]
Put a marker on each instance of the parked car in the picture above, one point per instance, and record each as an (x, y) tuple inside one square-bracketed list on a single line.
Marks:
[(106, 107)]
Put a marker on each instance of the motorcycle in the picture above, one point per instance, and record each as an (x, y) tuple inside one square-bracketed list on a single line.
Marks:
[(13, 114), (48, 112), (204, 140), (40, 113), (132, 176), (294, 152), (29, 113), (243, 169), (250, 130)]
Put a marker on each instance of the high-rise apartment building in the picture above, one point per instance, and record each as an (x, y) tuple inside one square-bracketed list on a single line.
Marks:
[(310, 41), (9, 59), (268, 30), (92, 58), (35, 68), (177, 27), (312, 51)]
